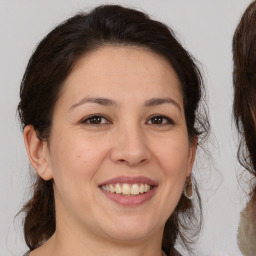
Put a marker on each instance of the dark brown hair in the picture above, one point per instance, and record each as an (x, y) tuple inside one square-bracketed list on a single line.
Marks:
[(244, 79), (49, 67)]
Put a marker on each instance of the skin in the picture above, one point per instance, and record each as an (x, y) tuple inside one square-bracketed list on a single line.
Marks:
[(79, 155)]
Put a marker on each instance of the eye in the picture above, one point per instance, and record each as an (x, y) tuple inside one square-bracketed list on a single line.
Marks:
[(160, 120), (95, 120)]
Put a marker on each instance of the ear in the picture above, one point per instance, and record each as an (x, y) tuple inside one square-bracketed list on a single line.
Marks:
[(38, 152), (192, 154)]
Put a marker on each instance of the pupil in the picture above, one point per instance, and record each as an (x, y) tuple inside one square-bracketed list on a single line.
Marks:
[(157, 120), (95, 120)]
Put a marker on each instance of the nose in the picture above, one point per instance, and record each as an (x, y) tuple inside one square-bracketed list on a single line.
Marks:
[(130, 147)]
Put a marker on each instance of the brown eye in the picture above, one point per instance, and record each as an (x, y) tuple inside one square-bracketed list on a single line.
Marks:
[(160, 120), (157, 120), (95, 120)]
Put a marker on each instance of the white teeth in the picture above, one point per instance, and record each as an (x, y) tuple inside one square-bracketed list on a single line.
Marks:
[(112, 189), (118, 189), (135, 190), (127, 189), (142, 188), (147, 188)]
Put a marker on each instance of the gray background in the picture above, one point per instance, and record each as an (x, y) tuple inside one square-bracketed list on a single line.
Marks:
[(205, 28)]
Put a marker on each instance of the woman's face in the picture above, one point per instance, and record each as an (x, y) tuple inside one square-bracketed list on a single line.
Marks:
[(119, 151)]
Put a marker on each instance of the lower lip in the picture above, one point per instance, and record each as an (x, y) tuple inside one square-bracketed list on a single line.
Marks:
[(130, 200)]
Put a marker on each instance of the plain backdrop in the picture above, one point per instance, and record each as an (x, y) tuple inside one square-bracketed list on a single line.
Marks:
[(205, 28)]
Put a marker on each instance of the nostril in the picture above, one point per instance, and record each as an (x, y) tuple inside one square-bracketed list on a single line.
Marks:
[(132, 162), (130, 156)]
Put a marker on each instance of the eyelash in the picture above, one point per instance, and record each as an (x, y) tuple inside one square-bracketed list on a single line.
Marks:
[(168, 121), (88, 120)]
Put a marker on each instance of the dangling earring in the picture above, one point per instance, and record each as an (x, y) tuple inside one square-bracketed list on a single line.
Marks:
[(189, 188)]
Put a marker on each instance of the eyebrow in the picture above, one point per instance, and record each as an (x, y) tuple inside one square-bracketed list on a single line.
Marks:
[(108, 102), (159, 101), (100, 101)]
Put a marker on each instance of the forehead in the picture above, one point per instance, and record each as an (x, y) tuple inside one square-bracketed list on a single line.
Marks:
[(112, 69), (124, 59)]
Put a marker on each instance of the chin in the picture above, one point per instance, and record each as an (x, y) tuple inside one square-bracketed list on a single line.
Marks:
[(132, 228)]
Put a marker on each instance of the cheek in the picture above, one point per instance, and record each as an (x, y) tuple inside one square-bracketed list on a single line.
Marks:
[(76, 158), (173, 156), (75, 162)]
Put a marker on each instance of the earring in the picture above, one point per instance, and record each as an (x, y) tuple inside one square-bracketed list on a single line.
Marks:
[(188, 188)]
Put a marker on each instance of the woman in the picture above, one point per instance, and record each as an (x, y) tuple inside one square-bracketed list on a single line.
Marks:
[(109, 105), (244, 77)]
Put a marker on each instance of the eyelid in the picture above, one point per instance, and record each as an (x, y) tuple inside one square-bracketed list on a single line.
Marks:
[(85, 119), (170, 120)]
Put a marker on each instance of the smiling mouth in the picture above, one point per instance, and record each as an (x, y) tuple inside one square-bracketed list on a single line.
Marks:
[(127, 189)]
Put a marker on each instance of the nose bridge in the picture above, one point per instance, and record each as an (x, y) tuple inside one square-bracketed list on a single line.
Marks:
[(131, 145)]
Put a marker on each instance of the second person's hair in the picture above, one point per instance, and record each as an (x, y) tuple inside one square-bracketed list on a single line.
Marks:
[(244, 79)]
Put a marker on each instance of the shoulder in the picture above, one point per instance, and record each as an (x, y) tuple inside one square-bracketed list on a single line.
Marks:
[(246, 235)]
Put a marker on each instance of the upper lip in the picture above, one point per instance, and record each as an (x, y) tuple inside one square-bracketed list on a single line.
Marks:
[(129, 180)]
